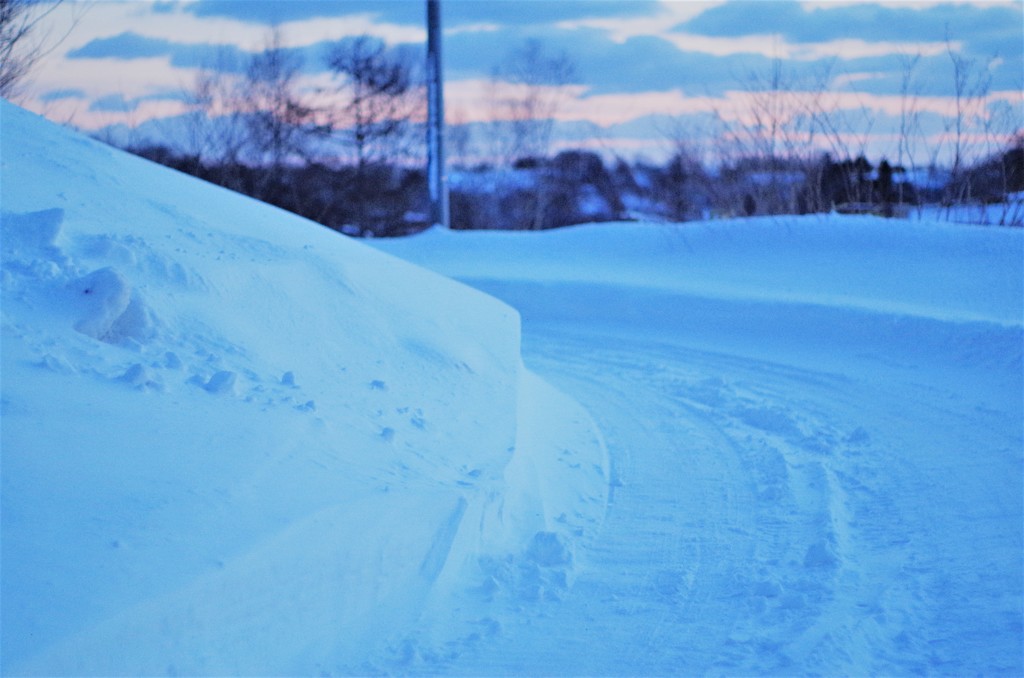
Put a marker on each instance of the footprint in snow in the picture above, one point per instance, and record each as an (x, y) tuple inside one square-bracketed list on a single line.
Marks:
[(140, 377), (56, 364), (109, 310), (221, 383)]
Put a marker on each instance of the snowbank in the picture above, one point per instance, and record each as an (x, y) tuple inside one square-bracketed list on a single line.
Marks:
[(939, 292), (234, 442), (944, 271)]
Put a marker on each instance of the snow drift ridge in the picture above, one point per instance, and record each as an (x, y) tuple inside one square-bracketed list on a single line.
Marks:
[(249, 444)]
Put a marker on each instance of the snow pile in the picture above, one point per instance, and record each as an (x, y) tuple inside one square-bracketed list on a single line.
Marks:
[(817, 283), (862, 263), (234, 442)]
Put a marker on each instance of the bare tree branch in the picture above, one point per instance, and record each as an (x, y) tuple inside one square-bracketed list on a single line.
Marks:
[(23, 42)]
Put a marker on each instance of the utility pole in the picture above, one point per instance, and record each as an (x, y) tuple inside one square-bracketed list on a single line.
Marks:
[(437, 176)]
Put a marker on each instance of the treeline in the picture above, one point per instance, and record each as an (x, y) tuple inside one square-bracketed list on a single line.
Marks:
[(349, 154), (578, 186), (383, 199)]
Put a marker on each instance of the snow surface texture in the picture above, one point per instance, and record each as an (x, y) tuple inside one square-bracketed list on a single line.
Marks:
[(815, 434), (236, 443)]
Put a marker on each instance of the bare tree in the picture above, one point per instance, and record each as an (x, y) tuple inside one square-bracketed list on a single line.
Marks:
[(217, 130), (16, 24), (23, 42), (249, 112), (971, 83), (527, 91), (459, 140), (772, 140), (278, 121), (684, 178), (1004, 141), (910, 125), (380, 96)]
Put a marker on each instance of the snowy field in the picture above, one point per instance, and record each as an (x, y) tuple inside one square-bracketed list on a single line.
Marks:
[(236, 443)]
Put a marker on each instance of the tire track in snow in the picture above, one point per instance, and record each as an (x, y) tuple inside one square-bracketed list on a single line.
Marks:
[(767, 519), (785, 560), (696, 520), (673, 520)]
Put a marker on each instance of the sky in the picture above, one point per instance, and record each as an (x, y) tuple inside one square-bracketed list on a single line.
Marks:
[(647, 73)]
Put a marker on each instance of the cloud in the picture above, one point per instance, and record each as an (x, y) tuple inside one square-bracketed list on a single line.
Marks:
[(474, 54), (649, 63), (224, 58), (542, 12), (117, 103), (113, 103), (633, 58), (981, 27), (933, 75), (884, 35), (641, 63), (175, 95), (638, 64), (65, 93), (132, 46), (123, 46), (413, 12), (271, 12)]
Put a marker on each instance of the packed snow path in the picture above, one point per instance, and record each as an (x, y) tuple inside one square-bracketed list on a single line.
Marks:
[(795, 489), (756, 531)]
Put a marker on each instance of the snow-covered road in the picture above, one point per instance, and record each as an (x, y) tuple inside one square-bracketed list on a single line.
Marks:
[(770, 519), (795, 490), (754, 532)]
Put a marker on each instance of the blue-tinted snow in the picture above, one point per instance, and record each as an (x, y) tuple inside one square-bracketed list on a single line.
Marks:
[(234, 442)]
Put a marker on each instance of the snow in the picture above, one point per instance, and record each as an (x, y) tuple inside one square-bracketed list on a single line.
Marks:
[(236, 443), (1010, 212), (244, 442), (815, 433)]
